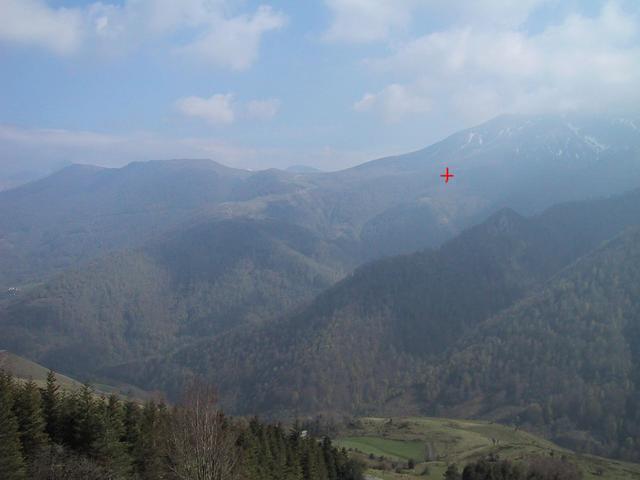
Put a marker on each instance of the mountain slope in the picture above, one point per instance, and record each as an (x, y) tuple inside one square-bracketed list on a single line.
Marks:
[(371, 341), (214, 258), (82, 212), (194, 283), (527, 163), (566, 359)]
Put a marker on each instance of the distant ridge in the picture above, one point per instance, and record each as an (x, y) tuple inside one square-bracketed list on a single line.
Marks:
[(380, 208), (302, 169)]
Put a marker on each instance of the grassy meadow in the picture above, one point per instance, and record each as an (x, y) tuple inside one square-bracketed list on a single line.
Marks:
[(387, 445)]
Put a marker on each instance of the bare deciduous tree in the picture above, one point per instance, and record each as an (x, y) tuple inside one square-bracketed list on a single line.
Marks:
[(202, 442)]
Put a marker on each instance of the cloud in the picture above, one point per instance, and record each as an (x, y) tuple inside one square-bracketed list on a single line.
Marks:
[(205, 30), (361, 21), (582, 63), (263, 109), (234, 43), (494, 14), (217, 109), (223, 109), (364, 21), (31, 22), (394, 103)]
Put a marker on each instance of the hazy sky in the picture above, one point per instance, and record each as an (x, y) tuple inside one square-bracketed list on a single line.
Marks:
[(274, 83)]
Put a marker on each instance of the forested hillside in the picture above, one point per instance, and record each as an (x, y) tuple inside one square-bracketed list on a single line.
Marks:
[(566, 358), (192, 284), (358, 342), (165, 253), (381, 339), (49, 433), (210, 248), (189, 269), (319, 240), (83, 211)]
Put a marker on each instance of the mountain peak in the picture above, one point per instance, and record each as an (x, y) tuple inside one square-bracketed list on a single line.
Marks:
[(190, 163), (302, 169), (506, 220)]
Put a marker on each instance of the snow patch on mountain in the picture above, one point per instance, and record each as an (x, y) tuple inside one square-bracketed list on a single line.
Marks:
[(629, 123), (574, 129), (474, 137), (594, 143)]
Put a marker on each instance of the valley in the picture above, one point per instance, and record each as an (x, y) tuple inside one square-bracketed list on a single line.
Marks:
[(330, 240), (432, 332), (368, 291)]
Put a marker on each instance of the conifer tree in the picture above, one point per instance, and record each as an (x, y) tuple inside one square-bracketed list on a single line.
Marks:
[(132, 420), (347, 468), (252, 466), (329, 459), (68, 419), (148, 451), (293, 469), (11, 460), (51, 407), (109, 449), (87, 421), (309, 465), (31, 424), (107, 439)]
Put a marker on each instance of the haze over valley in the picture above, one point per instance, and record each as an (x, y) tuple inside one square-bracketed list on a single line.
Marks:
[(216, 272)]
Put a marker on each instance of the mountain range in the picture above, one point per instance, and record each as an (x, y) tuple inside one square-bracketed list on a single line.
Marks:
[(384, 207), (530, 321), (509, 293)]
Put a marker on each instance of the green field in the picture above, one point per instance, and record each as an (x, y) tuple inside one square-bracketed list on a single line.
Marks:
[(433, 443), (396, 449)]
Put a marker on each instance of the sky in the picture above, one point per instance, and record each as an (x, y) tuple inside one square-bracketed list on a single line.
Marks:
[(325, 83)]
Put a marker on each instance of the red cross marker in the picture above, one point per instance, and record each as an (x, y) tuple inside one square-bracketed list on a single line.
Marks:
[(446, 175)]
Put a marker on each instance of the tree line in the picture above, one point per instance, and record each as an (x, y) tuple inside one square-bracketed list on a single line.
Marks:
[(53, 434), (535, 468)]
